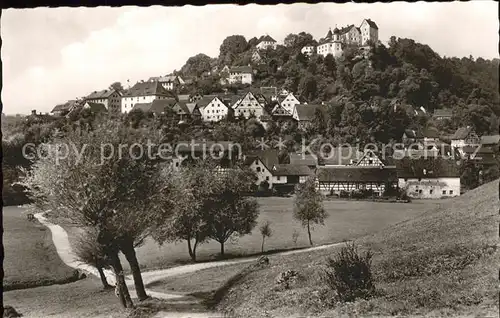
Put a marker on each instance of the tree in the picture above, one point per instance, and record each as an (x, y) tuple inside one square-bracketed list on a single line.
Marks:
[(308, 207), (265, 231), (117, 86), (196, 65), (231, 47), (232, 212), (191, 196), (89, 251), (98, 187)]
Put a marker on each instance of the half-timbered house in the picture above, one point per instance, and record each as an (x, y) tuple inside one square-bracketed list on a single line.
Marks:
[(334, 180)]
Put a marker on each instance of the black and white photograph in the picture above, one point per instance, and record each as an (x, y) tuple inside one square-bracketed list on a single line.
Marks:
[(251, 160)]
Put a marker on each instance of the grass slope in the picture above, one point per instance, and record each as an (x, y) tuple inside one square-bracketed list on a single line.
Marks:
[(84, 298), (31, 259), (347, 220), (443, 262)]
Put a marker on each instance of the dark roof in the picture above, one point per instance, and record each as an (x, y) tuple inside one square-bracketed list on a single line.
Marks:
[(269, 157), (266, 38), (147, 89), (356, 174), (341, 156), (300, 159), (427, 168), (292, 170), (101, 94), (269, 92), (191, 107), (481, 150), (96, 107), (60, 107), (461, 133), (306, 112), (442, 113), (69, 105), (183, 105), (229, 99), (157, 106), (490, 140), (205, 100), (240, 69), (372, 24), (431, 133)]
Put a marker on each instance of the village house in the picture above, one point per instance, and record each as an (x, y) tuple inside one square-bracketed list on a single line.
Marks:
[(429, 178), (305, 159), (265, 42), (185, 111), (262, 162), (305, 114), (441, 114), (269, 93), (256, 58), (480, 155), (157, 106), (110, 98), (215, 109), (334, 180), (464, 136), (95, 107), (250, 104), (68, 108), (195, 97), (288, 102), (168, 82), (286, 176), (280, 112), (240, 74), (308, 50), (369, 32), (144, 92)]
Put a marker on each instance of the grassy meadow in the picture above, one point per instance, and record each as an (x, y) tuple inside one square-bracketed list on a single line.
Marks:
[(347, 220), (443, 262), (31, 259)]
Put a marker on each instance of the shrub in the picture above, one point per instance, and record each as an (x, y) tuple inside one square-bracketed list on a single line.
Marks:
[(349, 274)]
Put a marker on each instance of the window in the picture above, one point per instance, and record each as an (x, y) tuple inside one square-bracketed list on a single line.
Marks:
[(431, 191), (420, 191), (278, 178), (256, 161), (444, 191), (267, 178), (451, 191)]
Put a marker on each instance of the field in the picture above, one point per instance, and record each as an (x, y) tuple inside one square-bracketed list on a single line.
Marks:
[(84, 298), (347, 220), (30, 257), (441, 263)]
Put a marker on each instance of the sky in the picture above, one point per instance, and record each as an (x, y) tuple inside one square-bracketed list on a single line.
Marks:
[(51, 55)]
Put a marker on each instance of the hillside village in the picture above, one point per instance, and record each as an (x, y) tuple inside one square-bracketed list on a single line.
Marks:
[(436, 173)]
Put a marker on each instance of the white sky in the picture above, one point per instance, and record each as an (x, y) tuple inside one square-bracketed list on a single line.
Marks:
[(51, 55)]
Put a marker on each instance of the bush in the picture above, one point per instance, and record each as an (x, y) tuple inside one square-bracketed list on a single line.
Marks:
[(349, 274)]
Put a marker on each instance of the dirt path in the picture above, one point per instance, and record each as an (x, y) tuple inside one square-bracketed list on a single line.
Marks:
[(63, 247)]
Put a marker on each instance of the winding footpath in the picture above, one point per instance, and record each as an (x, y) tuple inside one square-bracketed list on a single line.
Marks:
[(63, 247)]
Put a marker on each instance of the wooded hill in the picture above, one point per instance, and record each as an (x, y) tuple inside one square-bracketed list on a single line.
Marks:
[(391, 83)]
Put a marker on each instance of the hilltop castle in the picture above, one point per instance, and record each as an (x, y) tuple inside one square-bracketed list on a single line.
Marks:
[(335, 42)]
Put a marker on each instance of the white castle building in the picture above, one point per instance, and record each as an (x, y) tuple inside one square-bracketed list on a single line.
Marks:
[(335, 42)]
